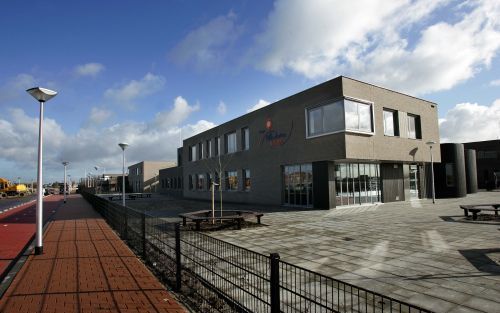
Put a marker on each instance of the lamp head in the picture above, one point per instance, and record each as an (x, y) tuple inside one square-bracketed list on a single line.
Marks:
[(430, 143), (41, 94), (65, 163), (123, 145)]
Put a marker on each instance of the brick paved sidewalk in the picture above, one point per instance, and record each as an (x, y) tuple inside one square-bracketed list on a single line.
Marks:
[(85, 268)]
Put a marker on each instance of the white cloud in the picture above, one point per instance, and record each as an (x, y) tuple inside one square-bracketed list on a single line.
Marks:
[(99, 116), (221, 108), (208, 44), (95, 144), (398, 47), (177, 115), (260, 104), (495, 82), (149, 84), (16, 86), (471, 122), (89, 69)]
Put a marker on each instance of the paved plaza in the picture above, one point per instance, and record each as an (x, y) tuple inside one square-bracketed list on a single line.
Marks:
[(422, 253)]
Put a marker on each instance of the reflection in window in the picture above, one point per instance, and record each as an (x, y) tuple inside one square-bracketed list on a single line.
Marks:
[(232, 180), (414, 127), (391, 123), (298, 186), (246, 180), (245, 138), (200, 181), (357, 183), (358, 116), (325, 119), (231, 142)]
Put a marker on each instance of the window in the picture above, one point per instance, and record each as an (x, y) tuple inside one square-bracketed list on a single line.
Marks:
[(487, 155), (200, 181), (201, 151), (190, 182), (391, 126), (209, 181), (216, 178), (192, 153), (209, 148), (246, 180), (231, 142), (217, 146), (297, 180), (245, 138), (414, 127), (358, 116), (232, 180), (325, 119)]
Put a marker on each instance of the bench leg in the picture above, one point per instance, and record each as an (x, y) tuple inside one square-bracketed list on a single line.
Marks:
[(184, 221), (496, 212), (239, 223), (258, 219), (466, 212), (474, 215), (198, 225)]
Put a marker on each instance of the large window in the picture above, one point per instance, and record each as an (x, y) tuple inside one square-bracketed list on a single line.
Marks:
[(358, 116), (414, 127), (201, 151), (246, 180), (339, 116), (391, 125), (245, 138), (208, 146), (231, 142), (357, 183), (200, 181), (325, 119), (232, 180), (450, 175), (298, 186)]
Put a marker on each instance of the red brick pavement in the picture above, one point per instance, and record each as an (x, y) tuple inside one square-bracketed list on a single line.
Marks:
[(85, 268), (17, 228)]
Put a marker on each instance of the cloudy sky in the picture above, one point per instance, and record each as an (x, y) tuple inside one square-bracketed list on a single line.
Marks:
[(152, 72)]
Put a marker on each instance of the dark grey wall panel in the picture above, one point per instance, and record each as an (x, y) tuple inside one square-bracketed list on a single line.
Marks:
[(470, 170), (449, 175), (321, 188)]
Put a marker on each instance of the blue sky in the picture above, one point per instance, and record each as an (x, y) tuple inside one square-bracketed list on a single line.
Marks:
[(151, 72)]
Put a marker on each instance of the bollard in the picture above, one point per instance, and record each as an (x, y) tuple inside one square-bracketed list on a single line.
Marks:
[(274, 259)]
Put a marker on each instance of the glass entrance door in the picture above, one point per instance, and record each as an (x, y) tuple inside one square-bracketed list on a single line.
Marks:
[(413, 181)]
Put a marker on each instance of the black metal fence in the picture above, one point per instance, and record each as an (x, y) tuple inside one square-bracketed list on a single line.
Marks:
[(216, 276)]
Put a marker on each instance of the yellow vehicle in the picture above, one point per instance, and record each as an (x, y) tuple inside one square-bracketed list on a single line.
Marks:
[(8, 189)]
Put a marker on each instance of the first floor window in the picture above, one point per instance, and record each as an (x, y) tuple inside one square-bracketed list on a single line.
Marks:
[(391, 123), (414, 127), (246, 180), (358, 116), (232, 180), (190, 182), (231, 142), (200, 181)]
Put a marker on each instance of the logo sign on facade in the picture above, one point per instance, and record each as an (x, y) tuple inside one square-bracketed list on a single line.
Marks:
[(274, 137)]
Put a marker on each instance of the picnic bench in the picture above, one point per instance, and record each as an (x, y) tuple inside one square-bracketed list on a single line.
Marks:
[(237, 216), (476, 208)]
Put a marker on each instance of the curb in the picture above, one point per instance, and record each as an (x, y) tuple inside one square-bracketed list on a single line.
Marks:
[(19, 205)]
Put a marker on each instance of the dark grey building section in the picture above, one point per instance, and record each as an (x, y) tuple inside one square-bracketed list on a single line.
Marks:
[(470, 170), (449, 176), (340, 143), (171, 182), (487, 162)]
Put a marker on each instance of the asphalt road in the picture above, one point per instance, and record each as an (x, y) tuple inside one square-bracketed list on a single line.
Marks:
[(11, 202)]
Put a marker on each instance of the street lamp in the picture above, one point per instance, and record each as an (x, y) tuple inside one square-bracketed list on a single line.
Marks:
[(430, 143), (41, 95), (123, 145), (65, 163)]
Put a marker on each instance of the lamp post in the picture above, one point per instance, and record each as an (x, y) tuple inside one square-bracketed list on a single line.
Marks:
[(430, 143), (65, 163), (123, 146), (41, 95)]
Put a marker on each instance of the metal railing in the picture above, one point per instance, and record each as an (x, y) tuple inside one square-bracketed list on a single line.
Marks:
[(216, 276)]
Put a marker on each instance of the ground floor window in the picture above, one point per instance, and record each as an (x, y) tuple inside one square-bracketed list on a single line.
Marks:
[(246, 180), (298, 184), (232, 180), (357, 183)]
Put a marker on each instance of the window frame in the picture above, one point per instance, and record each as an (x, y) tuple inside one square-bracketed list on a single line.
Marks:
[(343, 130), (228, 180), (395, 122), (245, 138), (226, 142), (418, 126)]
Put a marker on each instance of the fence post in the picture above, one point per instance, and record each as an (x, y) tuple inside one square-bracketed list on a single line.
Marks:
[(275, 282), (143, 230), (178, 257)]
